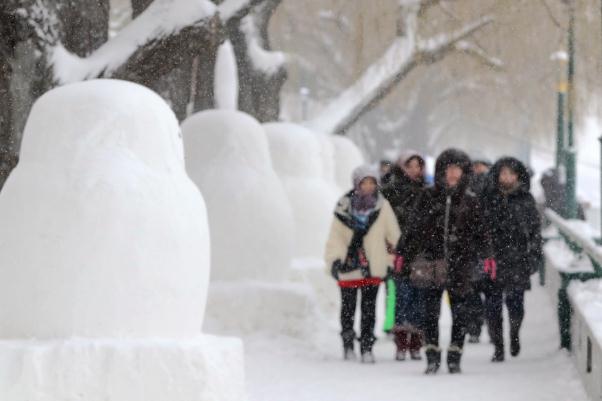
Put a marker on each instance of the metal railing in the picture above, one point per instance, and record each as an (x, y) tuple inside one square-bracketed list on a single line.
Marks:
[(582, 244)]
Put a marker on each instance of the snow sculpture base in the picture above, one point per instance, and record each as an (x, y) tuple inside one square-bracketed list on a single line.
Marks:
[(251, 307), (206, 368)]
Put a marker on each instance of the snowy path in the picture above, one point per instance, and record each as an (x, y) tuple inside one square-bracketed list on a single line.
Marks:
[(281, 369)]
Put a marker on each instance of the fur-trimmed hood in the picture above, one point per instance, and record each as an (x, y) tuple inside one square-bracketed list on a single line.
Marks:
[(515, 165), (452, 157)]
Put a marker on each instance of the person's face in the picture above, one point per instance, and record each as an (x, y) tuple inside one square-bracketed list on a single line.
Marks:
[(453, 175), (385, 168), (480, 168), (508, 178), (368, 186), (413, 169)]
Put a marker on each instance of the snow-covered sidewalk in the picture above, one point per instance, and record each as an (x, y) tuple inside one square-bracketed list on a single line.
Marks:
[(283, 369)]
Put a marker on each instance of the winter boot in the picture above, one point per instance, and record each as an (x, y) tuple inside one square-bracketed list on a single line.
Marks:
[(433, 359), (366, 344), (514, 346), (348, 339), (454, 355), (368, 357), (415, 345), (498, 354), (401, 341), (474, 339)]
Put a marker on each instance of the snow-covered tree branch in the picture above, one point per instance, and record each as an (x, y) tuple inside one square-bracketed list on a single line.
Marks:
[(403, 55)]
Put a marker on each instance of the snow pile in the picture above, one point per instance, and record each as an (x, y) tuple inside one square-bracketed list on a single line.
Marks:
[(104, 249), (587, 298), (560, 257), (207, 368), (250, 217), (296, 155), (226, 78), (254, 307), (102, 234), (347, 157)]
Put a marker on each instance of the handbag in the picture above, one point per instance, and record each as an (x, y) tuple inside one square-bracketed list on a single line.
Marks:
[(426, 273)]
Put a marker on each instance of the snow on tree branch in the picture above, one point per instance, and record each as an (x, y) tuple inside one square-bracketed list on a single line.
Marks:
[(402, 56), (434, 48), (164, 25), (477, 52), (262, 59)]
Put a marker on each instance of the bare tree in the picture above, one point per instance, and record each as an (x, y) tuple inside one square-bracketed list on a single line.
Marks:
[(407, 52), (45, 43)]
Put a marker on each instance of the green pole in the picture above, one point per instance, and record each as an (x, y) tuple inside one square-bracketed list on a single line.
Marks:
[(571, 159), (560, 123), (600, 240)]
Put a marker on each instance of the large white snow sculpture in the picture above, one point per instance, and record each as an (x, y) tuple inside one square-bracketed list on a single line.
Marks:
[(347, 157), (327, 153), (105, 238), (297, 156), (250, 218)]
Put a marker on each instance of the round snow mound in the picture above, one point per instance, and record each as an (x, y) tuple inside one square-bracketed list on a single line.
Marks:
[(250, 217), (103, 234), (347, 158), (297, 156)]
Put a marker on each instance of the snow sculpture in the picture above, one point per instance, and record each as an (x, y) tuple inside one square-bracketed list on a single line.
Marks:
[(296, 154), (226, 78), (250, 218), (105, 238), (347, 157)]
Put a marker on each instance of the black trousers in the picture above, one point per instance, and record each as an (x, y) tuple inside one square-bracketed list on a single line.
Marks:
[(475, 309), (515, 302), (432, 298), (368, 316)]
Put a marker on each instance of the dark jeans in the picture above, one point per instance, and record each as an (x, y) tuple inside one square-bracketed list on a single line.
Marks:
[(475, 309), (432, 300), (368, 316), (515, 302), (409, 304)]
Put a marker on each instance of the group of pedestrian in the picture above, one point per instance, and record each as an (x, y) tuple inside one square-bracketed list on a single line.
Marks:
[(474, 233)]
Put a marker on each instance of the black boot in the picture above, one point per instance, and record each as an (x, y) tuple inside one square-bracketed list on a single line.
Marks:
[(498, 354), (433, 359), (514, 346), (348, 340), (454, 355), (366, 344)]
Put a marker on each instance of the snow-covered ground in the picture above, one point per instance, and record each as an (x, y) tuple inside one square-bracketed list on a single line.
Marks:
[(283, 369)]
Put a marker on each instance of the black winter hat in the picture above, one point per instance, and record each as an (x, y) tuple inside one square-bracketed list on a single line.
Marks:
[(452, 157), (515, 165)]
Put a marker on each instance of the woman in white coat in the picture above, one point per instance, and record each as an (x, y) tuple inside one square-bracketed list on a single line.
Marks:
[(363, 230)]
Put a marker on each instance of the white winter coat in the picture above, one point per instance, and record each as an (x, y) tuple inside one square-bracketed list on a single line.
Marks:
[(385, 229)]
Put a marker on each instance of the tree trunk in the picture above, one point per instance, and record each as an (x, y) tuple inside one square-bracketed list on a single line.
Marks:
[(259, 93), (138, 6), (82, 26)]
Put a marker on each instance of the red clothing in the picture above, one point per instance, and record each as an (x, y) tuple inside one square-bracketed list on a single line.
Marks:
[(364, 282)]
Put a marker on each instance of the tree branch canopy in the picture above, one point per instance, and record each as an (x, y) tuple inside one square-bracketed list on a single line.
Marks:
[(382, 76)]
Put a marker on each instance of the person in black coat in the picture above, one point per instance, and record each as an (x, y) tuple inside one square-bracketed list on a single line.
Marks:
[(404, 186), (515, 228), (475, 307), (447, 227)]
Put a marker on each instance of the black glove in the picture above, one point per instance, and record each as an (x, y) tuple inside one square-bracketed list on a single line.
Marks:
[(335, 268)]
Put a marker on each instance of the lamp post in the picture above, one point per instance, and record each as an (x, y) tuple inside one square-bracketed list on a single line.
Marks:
[(570, 153), (562, 88)]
